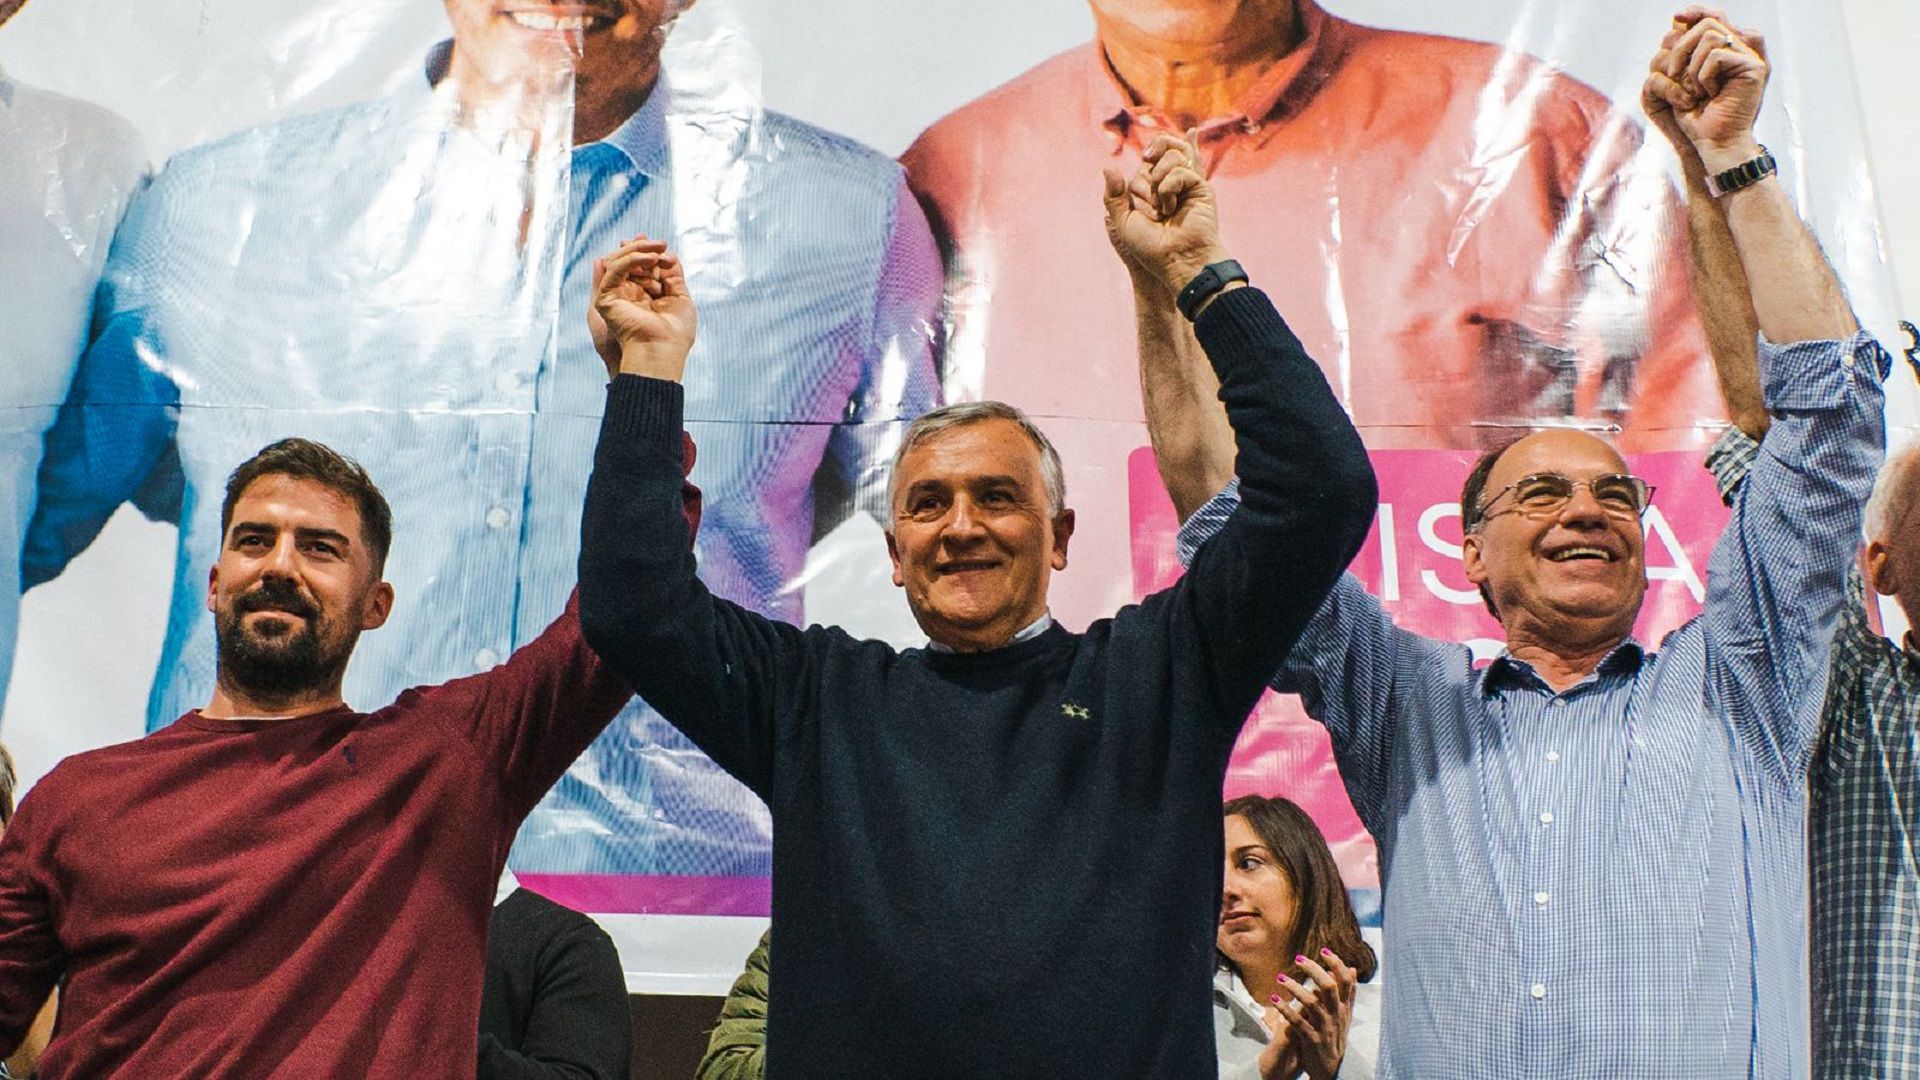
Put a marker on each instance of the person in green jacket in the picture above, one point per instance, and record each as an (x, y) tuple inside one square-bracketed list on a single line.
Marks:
[(737, 1050)]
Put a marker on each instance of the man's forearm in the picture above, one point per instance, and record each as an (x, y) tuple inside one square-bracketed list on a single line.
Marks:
[(1796, 296), (1725, 299), (1192, 442)]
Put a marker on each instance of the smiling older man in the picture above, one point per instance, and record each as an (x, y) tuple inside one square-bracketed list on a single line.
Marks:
[(964, 830), (1593, 852)]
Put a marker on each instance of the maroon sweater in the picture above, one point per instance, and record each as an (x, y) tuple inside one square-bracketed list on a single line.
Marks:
[(287, 898)]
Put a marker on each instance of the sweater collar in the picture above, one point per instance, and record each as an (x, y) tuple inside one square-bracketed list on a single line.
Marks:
[(1033, 630)]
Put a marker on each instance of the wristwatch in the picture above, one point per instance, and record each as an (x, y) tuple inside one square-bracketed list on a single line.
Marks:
[(1744, 175), (1207, 282)]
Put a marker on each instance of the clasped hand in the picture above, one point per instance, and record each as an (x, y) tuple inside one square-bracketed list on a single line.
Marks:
[(1704, 88), (642, 318), (1163, 222)]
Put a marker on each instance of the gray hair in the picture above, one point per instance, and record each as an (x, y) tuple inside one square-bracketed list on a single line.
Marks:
[(961, 414), (1893, 492)]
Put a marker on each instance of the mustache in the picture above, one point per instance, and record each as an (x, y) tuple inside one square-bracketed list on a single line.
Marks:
[(275, 595)]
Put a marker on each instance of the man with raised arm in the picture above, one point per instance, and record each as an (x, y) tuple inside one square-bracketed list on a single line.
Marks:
[(277, 884), (1592, 851), (1864, 834), (996, 855)]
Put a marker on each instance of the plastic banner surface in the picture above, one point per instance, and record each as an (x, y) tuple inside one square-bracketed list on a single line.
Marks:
[(225, 222)]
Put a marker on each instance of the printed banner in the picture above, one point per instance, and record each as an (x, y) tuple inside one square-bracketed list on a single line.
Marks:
[(223, 222)]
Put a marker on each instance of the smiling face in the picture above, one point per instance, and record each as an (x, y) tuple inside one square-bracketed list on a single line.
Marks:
[(974, 541), (1258, 905), (512, 42), (1566, 572), (294, 587)]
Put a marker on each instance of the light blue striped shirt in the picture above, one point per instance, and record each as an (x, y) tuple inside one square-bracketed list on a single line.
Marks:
[(411, 290), (1610, 881)]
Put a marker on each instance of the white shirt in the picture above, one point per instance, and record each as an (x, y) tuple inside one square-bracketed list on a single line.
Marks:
[(67, 169)]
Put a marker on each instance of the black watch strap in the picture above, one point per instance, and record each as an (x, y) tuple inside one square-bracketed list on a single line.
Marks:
[(1744, 175), (1207, 282)]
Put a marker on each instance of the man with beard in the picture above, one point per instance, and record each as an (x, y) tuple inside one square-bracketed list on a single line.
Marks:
[(277, 884), (295, 278)]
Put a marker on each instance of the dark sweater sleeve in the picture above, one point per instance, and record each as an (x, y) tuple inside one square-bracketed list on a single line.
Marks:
[(1307, 497), (579, 1024), (715, 670)]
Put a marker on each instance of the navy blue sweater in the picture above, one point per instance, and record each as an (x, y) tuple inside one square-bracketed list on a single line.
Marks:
[(1001, 864)]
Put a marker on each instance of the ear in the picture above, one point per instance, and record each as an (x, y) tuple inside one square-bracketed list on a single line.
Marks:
[(893, 552), (1062, 532), (379, 606), (213, 581), (1879, 568), (1471, 560)]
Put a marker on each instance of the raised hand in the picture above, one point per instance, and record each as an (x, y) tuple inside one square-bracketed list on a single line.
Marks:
[(1163, 222), (1705, 85), (642, 318)]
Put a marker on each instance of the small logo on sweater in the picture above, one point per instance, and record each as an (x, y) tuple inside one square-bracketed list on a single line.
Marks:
[(346, 751), (1075, 712)]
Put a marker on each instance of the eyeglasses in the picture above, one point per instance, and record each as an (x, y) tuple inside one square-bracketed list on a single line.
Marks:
[(1543, 495)]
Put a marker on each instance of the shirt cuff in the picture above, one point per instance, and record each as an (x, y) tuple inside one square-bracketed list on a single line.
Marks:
[(1208, 520), (646, 410), (1730, 459), (1811, 376)]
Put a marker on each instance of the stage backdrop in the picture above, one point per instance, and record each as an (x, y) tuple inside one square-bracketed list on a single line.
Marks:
[(232, 220)]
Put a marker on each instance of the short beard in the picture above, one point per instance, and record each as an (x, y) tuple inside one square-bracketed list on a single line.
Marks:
[(278, 670)]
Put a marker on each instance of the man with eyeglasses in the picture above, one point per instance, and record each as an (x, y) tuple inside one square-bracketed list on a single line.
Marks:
[(1592, 851)]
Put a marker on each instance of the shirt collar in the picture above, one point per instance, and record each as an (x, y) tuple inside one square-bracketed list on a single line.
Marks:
[(1033, 630), (1279, 93), (508, 883), (1507, 670), (1226, 983), (643, 137)]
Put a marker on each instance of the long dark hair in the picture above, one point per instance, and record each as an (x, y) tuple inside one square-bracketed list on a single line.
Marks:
[(1323, 918)]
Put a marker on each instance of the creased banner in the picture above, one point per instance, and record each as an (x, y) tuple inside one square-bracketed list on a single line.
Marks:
[(373, 225)]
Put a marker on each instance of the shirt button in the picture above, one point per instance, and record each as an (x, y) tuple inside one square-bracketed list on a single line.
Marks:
[(498, 517), (485, 658), (1539, 991), (1553, 755), (1546, 817), (1558, 702), (1541, 898)]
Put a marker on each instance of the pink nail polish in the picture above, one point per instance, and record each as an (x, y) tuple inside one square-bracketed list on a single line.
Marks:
[(1275, 998), (1299, 959), (1326, 952), (1284, 979)]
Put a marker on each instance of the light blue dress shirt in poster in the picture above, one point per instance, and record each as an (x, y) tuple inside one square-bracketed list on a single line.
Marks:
[(409, 286)]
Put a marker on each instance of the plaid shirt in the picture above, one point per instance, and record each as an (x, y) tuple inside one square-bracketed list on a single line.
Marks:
[(1864, 840), (1609, 881)]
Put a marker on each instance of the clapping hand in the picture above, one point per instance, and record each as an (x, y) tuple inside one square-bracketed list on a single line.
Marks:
[(1310, 1017), (642, 318)]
